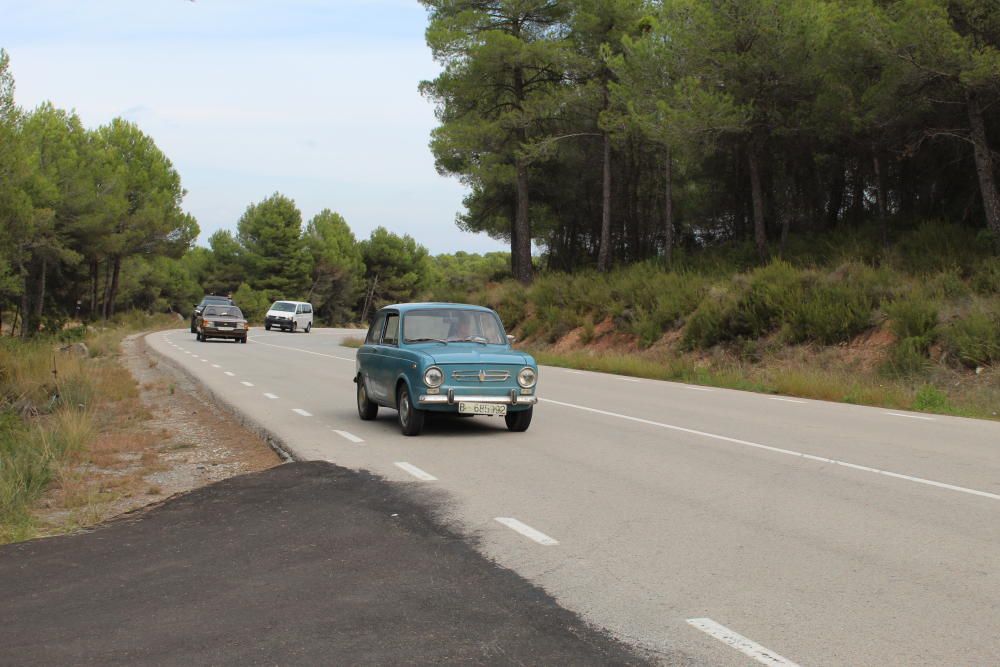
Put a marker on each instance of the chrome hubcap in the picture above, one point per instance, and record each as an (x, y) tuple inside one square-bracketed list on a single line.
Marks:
[(404, 409)]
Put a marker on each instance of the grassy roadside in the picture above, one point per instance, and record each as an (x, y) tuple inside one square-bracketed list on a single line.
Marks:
[(65, 403)]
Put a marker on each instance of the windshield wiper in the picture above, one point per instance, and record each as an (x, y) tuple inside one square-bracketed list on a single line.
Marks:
[(426, 340), (470, 339)]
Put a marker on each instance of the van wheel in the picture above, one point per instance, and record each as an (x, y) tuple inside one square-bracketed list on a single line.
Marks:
[(518, 422), (294, 325), (267, 327), (366, 409), (309, 327), (411, 420)]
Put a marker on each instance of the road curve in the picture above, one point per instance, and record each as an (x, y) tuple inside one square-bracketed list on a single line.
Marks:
[(733, 527)]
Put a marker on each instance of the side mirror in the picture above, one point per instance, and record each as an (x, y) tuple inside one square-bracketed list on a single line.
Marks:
[(510, 339)]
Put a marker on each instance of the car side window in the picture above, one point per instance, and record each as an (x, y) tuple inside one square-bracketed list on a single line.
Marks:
[(375, 331), (391, 336), (298, 310), (307, 308)]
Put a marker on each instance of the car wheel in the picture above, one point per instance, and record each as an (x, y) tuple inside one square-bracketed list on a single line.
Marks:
[(197, 336), (309, 327), (193, 329), (366, 409), (267, 327), (243, 340), (293, 326), (518, 422), (411, 420)]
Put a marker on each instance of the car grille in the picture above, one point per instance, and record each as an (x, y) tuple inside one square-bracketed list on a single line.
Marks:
[(481, 375)]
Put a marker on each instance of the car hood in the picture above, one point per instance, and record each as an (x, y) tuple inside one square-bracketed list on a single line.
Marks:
[(277, 313), (476, 355)]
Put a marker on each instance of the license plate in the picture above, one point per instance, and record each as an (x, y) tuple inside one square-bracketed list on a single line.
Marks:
[(496, 409)]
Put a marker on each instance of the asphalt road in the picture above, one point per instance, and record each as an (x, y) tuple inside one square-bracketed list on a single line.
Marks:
[(302, 564), (729, 527)]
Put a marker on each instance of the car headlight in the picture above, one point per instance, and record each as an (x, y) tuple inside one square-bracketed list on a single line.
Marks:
[(433, 377), (527, 377)]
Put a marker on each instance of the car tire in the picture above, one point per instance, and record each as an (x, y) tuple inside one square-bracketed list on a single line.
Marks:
[(197, 336), (411, 420), (243, 340), (194, 330), (309, 327), (518, 422), (293, 327), (267, 327), (367, 410)]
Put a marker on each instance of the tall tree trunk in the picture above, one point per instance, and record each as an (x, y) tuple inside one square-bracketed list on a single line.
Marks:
[(668, 210), (522, 227), (604, 255), (984, 166), (756, 190), (105, 314), (836, 201), (883, 213), (27, 328), (113, 292), (521, 234), (857, 194), (514, 264), (94, 279), (40, 295)]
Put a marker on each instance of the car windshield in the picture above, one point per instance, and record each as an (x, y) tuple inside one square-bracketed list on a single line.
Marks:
[(283, 307), (223, 311), (452, 325), (217, 299)]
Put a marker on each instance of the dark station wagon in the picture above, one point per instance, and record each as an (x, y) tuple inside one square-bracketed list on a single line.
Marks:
[(443, 357)]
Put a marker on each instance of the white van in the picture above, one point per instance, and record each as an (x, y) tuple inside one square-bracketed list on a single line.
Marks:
[(289, 316)]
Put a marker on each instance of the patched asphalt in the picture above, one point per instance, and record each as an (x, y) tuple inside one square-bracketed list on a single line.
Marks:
[(306, 563)]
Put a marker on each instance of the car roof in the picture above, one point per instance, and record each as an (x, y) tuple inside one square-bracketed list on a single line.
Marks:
[(216, 297), (290, 301), (404, 307)]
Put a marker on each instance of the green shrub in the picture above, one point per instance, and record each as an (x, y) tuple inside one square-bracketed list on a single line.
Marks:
[(907, 357), (974, 340), (938, 246), (913, 316), (773, 294), (931, 399), (709, 324), (986, 277), (830, 314)]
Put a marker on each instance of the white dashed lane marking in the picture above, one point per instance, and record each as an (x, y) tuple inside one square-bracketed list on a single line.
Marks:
[(270, 395), (230, 374), (302, 412), (737, 641), (422, 475), (216, 366), (527, 531), (348, 436), (246, 384)]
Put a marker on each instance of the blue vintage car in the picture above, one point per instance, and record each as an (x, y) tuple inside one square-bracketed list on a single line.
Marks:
[(443, 357)]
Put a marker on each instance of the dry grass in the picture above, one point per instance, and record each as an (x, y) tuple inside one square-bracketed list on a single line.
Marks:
[(352, 341)]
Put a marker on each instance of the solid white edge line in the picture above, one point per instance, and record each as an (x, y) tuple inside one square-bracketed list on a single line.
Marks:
[(416, 472), (230, 373), (623, 379), (900, 414), (687, 386), (270, 395), (786, 400), (779, 450), (348, 436), (527, 531), (737, 641), (246, 384), (302, 412), (298, 349)]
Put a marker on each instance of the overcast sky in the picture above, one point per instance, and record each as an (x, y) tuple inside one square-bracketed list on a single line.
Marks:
[(316, 99)]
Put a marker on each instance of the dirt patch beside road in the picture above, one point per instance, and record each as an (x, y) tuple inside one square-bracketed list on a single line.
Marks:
[(166, 437)]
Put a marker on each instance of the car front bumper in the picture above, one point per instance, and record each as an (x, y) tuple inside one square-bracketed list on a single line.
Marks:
[(513, 398), (226, 332)]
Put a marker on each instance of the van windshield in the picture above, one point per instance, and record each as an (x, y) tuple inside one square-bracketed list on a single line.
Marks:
[(283, 306)]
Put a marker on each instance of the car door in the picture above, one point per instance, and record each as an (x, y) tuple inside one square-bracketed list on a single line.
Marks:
[(368, 355), (307, 315), (386, 366)]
